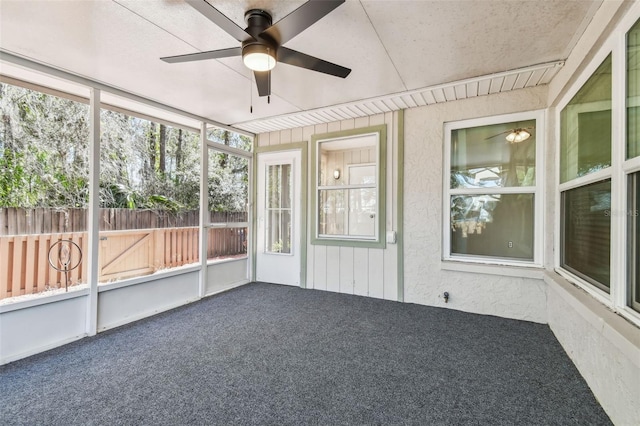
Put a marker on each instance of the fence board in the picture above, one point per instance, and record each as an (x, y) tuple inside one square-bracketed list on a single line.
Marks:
[(29, 272), (123, 254), (18, 276), (5, 273), (18, 221), (41, 264)]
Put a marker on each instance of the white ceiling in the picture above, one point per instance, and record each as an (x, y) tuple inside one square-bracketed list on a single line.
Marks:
[(393, 48)]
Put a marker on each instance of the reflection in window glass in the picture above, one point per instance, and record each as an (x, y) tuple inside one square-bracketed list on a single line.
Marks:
[(585, 131), (499, 225), (586, 232), (633, 213), (348, 187), (348, 212), (633, 91), (279, 208), (482, 156)]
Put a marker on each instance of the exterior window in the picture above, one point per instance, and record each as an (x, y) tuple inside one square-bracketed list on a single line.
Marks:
[(599, 185), (585, 177), (585, 139), (586, 240), (633, 91), (350, 188), (634, 240), (632, 152), (492, 189)]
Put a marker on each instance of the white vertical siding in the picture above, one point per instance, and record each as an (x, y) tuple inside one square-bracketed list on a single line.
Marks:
[(361, 271), (333, 269), (346, 270), (320, 268), (367, 272)]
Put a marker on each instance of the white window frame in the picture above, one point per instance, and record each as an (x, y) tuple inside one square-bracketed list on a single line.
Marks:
[(537, 190), (617, 298), (376, 241)]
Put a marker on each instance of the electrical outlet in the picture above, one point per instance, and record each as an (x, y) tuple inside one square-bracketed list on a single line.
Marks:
[(510, 244)]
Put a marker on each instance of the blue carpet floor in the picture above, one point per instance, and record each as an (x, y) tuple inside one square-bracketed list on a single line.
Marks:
[(273, 355)]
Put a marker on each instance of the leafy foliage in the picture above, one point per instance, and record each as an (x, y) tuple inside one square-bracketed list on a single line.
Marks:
[(44, 147)]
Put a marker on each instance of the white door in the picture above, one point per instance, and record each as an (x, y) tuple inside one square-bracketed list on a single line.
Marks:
[(278, 211)]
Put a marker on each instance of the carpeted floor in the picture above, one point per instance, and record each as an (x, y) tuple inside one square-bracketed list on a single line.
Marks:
[(276, 355)]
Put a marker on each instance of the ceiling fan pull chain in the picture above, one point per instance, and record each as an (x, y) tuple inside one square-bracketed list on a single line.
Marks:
[(250, 96)]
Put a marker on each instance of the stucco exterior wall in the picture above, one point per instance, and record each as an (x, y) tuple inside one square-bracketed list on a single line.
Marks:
[(425, 280), (604, 347)]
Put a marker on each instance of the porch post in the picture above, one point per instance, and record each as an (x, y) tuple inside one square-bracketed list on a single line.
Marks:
[(93, 210), (204, 210)]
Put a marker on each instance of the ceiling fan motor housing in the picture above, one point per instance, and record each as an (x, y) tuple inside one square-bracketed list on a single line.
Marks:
[(257, 21), (262, 41)]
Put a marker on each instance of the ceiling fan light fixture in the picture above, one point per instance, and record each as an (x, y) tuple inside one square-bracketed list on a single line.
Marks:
[(517, 136), (258, 57)]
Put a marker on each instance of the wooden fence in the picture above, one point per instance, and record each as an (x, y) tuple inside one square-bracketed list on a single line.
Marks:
[(25, 269), (18, 221)]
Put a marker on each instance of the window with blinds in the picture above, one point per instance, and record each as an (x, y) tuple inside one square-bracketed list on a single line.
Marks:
[(586, 240), (585, 172)]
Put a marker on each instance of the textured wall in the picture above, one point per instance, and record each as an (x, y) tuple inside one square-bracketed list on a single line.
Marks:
[(424, 279), (603, 346)]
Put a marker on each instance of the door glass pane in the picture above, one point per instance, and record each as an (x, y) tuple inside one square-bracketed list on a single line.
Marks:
[(497, 225), (483, 156), (585, 127), (633, 213), (279, 214), (633, 91), (586, 232)]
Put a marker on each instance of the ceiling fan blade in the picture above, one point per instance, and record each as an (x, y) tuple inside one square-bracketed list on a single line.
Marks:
[(299, 59), (300, 19), (215, 16), (212, 54), (498, 134), (263, 81)]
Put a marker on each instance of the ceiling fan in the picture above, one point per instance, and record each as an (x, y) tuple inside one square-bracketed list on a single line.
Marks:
[(516, 135), (262, 41)]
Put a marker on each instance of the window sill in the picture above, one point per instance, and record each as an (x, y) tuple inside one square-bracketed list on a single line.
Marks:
[(619, 331), (146, 278), (44, 298), (533, 271)]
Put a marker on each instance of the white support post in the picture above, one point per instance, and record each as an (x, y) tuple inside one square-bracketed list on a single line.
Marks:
[(92, 218), (204, 210)]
